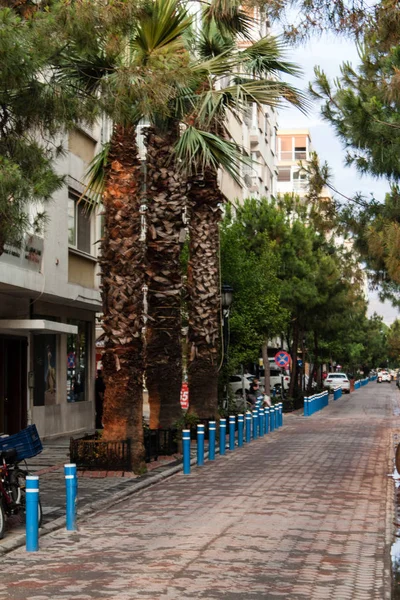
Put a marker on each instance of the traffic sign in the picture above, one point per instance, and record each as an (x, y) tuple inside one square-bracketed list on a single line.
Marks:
[(282, 359), (185, 396), (71, 360)]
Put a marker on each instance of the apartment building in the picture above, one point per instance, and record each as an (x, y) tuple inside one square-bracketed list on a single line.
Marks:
[(256, 132), (294, 149), (293, 146), (49, 296)]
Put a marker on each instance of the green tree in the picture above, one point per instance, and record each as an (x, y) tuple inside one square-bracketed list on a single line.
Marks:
[(257, 315), (393, 342)]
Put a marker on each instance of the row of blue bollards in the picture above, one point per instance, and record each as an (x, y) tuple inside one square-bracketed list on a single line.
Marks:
[(365, 381), (250, 426), (312, 404), (32, 505)]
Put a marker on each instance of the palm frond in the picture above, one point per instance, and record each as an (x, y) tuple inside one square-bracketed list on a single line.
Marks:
[(198, 150), (264, 91), (84, 71), (211, 42), (217, 66), (95, 177), (267, 57), (229, 18), (165, 22)]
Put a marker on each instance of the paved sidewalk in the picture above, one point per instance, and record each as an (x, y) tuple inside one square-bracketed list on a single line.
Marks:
[(304, 513), (49, 465)]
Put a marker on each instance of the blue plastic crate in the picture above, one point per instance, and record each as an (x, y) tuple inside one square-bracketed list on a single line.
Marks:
[(26, 442)]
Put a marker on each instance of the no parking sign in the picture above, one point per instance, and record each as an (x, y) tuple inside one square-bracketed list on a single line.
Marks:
[(282, 359)]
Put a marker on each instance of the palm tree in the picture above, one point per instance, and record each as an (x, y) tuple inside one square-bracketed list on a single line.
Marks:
[(132, 81), (253, 82), (187, 96), (166, 190), (122, 253)]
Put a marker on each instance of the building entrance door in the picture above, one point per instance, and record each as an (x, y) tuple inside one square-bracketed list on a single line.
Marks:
[(13, 384)]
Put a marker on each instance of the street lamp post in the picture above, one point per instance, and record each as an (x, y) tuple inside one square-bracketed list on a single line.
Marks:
[(226, 301)]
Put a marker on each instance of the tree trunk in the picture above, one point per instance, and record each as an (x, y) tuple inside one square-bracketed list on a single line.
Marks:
[(204, 303), (166, 203), (122, 280), (267, 378), (316, 367), (293, 379)]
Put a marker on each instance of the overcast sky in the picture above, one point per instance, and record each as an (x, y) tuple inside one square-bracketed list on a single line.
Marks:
[(329, 53)]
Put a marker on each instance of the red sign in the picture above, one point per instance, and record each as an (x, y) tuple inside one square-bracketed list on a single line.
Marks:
[(185, 396), (282, 359)]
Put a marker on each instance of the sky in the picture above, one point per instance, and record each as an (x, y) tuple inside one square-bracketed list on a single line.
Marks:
[(329, 53)]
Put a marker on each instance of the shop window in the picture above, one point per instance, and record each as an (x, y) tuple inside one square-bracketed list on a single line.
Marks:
[(77, 362), (44, 368), (79, 224)]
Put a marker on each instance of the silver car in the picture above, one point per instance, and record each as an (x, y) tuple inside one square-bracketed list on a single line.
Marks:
[(335, 380)]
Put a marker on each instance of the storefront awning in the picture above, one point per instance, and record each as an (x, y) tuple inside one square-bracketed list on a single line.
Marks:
[(36, 326)]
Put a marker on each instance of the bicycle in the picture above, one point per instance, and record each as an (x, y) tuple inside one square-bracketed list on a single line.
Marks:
[(12, 489), (14, 449)]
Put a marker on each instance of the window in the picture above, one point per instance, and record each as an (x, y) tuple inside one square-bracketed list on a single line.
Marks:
[(300, 179), (300, 147), (286, 148), (283, 173), (45, 369), (77, 362), (79, 224)]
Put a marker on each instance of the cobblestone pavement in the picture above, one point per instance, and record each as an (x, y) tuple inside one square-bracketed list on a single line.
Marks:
[(49, 465), (303, 513)]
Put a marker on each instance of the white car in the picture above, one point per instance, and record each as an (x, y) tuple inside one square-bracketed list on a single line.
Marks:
[(335, 380), (235, 383), (277, 377), (384, 376)]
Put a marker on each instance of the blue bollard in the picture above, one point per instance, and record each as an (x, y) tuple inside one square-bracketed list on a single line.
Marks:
[(278, 415), (281, 413), (32, 513), (71, 486), (272, 418), (305, 413), (232, 425), (261, 421), (200, 445), (211, 440), (266, 419), (255, 424), (186, 451), (222, 436), (240, 430), (248, 427)]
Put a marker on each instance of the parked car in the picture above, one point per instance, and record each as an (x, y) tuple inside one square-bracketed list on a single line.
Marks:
[(235, 383), (276, 376), (334, 380), (384, 376)]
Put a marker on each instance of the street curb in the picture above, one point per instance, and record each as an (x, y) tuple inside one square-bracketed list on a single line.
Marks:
[(93, 507)]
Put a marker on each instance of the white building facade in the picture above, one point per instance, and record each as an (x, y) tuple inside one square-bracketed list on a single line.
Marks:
[(49, 296)]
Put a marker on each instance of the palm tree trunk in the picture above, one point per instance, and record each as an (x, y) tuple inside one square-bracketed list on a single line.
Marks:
[(204, 305), (122, 281), (165, 235)]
